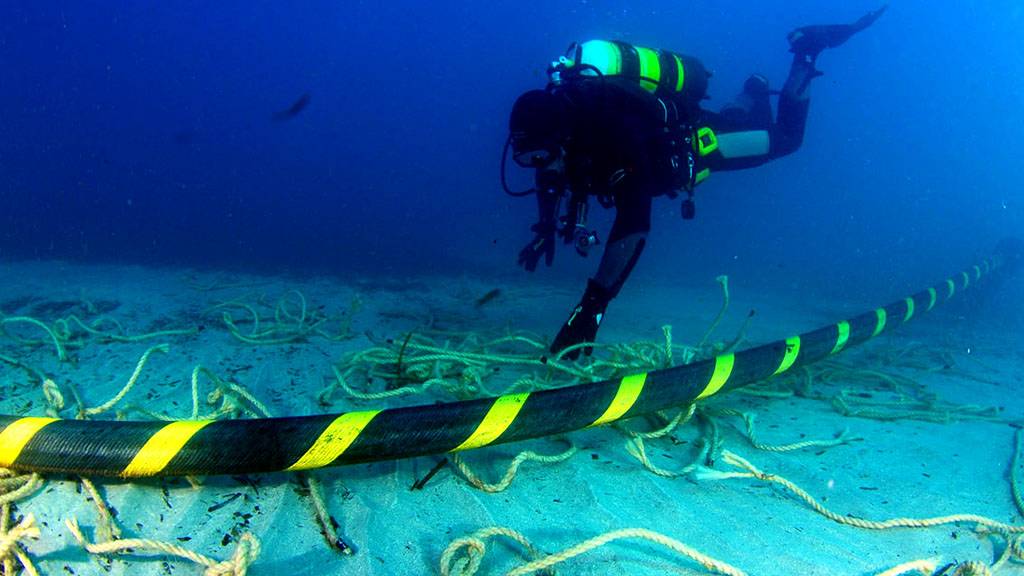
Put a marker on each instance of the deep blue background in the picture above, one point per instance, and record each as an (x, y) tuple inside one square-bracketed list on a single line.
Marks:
[(142, 132)]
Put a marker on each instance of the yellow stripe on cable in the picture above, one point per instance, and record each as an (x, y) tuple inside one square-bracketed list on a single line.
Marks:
[(723, 369), (629, 390), (952, 288), (498, 419), (967, 279), (977, 272), (17, 434), (910, 310), (333, 441), (843, 334), (162, 447), (880, 325), (792, 351), (931, 299)]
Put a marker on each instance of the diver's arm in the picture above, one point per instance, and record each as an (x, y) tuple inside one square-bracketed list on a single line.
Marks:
[(549, 187)]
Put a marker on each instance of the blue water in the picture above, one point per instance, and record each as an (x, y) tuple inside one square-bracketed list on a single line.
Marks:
[(143, 133)]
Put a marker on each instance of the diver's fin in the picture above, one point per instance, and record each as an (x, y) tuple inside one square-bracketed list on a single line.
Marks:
[(809, 41)]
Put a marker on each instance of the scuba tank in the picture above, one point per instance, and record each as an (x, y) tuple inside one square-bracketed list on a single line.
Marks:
[(679, 82), (682, 78)]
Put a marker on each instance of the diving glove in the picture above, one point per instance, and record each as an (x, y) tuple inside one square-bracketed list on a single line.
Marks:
[(543, 244), (584, 321), (808, 41)]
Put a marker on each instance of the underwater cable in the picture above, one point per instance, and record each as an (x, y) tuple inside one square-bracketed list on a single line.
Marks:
[(137, 449)]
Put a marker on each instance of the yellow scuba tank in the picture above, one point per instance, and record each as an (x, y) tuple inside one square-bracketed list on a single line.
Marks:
[(661, 72)]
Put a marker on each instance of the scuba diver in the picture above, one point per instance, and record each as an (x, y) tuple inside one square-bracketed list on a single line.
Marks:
[(623, 124)]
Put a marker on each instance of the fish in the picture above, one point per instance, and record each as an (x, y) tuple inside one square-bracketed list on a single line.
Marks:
[(294, 110), (487, 297)]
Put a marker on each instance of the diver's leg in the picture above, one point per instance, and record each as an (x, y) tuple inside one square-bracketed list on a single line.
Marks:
[(806, 43), (750, 110), (625, 244), (794, 103)]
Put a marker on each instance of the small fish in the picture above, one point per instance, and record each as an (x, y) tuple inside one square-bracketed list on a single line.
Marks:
[(293, 110), (487, 297)]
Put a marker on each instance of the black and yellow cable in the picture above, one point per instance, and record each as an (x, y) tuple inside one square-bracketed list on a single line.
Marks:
[(136, 449)]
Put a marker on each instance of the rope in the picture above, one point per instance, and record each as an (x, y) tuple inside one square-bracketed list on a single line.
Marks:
[(753, 472), (510, 473), (26, 484), (923, 567), (61, 353), (326, 521), (11, 540), (108, 529), (749, 418), (723, 280), (1018, 499), (127, 387), (54, 398), (246, 552), (91, 328), (474, 547)]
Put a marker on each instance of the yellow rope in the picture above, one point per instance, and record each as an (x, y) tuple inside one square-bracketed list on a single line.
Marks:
[(749, 419), (61, 354), (923, 567), (11, 540), (246, 552), (108, 530), (127, 387), (91, 328), (637, 449), (510, 473), (26, 484), (54, 398), (1018, 499), (474, 547), (322, 516), (972, 568), (681, 418), (722, 280), (753, 472)]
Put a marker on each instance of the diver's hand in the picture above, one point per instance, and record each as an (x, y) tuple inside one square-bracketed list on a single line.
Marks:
[(809, 41), (543, 244)]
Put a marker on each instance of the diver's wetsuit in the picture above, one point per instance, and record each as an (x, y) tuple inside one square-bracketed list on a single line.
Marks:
[(616, 139), (622, 149)]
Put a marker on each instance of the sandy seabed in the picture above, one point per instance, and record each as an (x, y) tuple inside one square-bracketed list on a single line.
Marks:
[(898, 468)]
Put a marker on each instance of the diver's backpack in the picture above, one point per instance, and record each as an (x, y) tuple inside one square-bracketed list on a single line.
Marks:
[(683, 79), (678, 82)]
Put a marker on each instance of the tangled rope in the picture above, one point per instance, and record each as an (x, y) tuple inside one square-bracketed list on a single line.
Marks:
[(464, 556), (753, 472), (12, 539), (246, 552), (526, 455)]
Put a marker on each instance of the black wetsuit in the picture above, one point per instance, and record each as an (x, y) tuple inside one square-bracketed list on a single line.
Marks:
[(617, 148), (620, 143)]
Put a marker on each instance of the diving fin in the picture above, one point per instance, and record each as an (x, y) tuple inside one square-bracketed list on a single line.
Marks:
[(808, 41)]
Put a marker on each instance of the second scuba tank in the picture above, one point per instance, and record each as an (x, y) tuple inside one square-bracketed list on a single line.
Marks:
[(664, 73)]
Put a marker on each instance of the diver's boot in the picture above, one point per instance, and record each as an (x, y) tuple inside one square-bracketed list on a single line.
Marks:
[(584, 321)]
